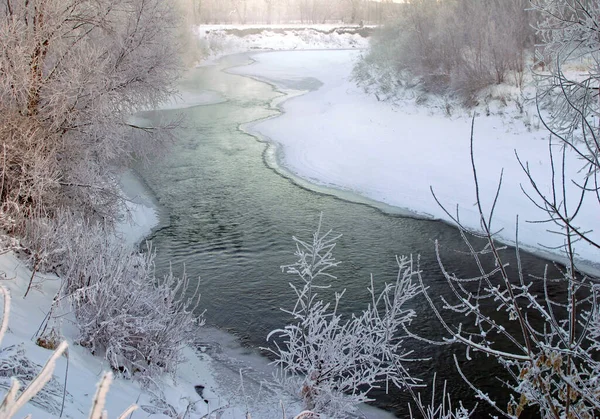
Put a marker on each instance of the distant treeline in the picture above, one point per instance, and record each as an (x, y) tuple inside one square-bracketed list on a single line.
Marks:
[(453, 46), (292, 11)]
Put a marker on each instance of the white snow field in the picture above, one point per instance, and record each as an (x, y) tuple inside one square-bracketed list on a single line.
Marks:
[(341, 137)]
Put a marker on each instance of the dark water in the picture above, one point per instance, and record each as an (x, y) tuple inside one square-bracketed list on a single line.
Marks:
[(230, 219)]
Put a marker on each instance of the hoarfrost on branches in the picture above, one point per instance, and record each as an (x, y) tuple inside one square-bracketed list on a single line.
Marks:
[(72, 73), (332, 361), (548, 350), (139, 322)]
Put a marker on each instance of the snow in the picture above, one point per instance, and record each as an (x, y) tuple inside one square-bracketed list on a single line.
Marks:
[(141, 215), (341, 137), (217, 40), (323, 27)]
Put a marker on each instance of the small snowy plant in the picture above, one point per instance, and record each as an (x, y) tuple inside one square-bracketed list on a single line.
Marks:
[(138, 321), (330, 360)]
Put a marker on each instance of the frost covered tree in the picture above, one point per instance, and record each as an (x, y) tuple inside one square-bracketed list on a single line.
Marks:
[(72, 74), (569, 88), (330, 360)]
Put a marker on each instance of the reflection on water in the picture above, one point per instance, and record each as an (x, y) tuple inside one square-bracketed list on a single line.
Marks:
[(229, 220)]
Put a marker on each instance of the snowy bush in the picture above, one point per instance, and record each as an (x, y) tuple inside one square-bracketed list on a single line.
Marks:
[(15, 365), (139, 322), (332, 361), (439, 408), (431, 43)]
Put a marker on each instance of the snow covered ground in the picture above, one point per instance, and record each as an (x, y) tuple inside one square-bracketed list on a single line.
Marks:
[(218, 40), (341, 137)]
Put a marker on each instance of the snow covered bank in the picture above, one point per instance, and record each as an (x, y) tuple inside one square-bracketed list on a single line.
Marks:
[(194, 389), (219, 40), (201, 386), (141, 211), (341, 137), (80, 374)]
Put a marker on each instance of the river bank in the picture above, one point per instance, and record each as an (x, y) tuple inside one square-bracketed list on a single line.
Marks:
[(396, 154)]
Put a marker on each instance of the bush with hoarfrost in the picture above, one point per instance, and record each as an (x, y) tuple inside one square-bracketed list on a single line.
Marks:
[(333, 361), (136, 320)]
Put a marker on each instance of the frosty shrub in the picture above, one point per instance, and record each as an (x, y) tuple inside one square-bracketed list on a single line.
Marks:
[(14, 365), (332, 361), (139, 322), (72, 73)]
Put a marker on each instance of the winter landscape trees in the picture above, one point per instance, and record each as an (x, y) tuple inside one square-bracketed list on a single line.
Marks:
[(432, 45), (72, 75), (291, 11)]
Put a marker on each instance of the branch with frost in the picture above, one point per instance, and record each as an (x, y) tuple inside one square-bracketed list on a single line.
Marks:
[(568, 86), (440, 408), (539, 329), (330, 360)]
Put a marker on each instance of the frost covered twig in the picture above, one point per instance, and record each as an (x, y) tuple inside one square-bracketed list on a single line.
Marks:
[(544, 340)]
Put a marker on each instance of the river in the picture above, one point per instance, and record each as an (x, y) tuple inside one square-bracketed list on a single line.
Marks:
[(228, 216)]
